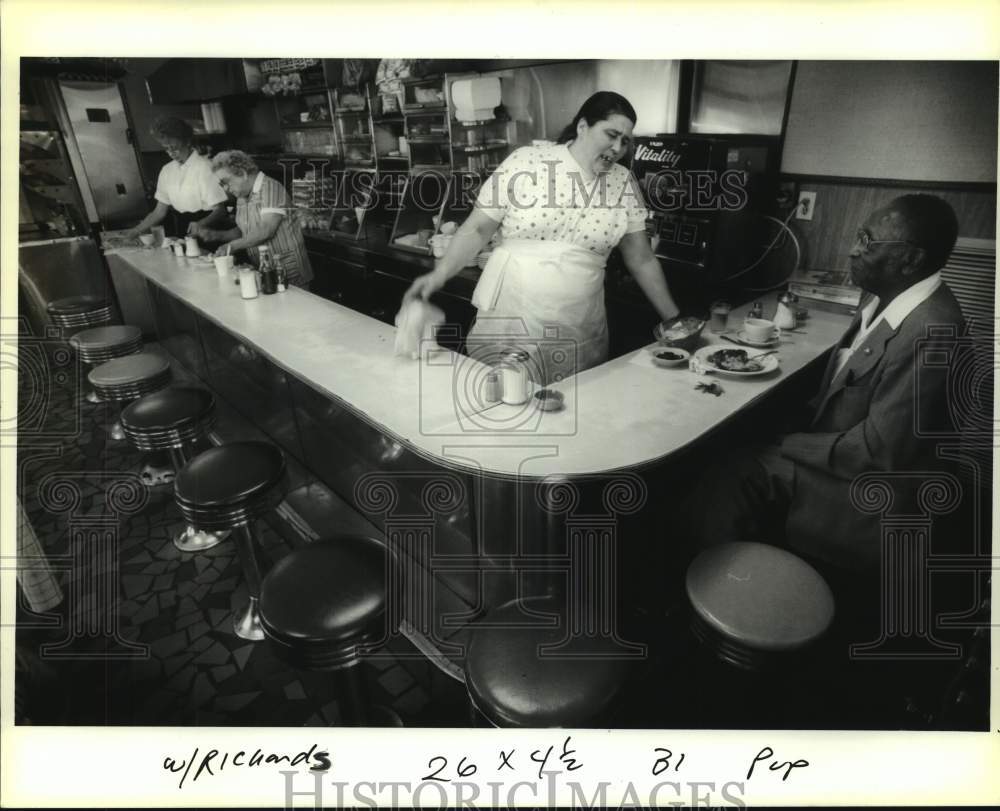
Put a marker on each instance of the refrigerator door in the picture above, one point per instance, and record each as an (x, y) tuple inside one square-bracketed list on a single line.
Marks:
[(97, 118)]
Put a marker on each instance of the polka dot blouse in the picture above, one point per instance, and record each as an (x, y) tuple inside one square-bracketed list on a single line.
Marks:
[(539, 192)]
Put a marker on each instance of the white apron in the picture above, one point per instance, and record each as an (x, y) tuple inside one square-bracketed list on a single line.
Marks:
[(547, 298)]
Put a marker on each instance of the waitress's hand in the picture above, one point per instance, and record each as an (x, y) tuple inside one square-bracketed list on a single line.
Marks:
[(132, 235), (424, 286), (195, 230)]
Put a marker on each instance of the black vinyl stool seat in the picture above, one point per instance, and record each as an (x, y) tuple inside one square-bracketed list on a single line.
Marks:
[(128, 378), (172, 419), (513, 682), (79, 311), (229, 488), (98, 345), (754, 605), (325, 605)]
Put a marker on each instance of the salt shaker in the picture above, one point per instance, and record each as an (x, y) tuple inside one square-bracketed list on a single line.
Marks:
[(493, 388)]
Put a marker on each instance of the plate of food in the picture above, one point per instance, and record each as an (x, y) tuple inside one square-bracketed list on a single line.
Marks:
[(736, 362)]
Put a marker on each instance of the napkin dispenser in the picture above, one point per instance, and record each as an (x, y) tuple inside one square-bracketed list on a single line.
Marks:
[(476, 98)]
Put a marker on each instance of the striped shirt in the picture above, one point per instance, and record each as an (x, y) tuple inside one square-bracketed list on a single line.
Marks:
[(287, 245)]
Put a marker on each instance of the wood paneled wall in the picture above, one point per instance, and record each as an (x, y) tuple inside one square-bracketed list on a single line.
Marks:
[(841, 208)]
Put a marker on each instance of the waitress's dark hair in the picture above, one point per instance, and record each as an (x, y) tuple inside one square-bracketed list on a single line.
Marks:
[(169, 127), (600, 106)]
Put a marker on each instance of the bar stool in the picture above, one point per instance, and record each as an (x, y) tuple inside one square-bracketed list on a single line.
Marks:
[(756, 605), (122, 380), (229, 488), (100, 344), (324, 605), (172, 420), (513, 682), (75, 312)]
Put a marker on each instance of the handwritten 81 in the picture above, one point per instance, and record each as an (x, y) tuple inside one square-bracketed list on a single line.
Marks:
[(664, 760)]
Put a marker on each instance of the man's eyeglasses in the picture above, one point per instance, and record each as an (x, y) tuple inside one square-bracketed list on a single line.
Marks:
[(864, 239)]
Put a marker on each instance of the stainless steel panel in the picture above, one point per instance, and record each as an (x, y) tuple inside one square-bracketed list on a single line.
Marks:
[(108, 157), (133, 296)]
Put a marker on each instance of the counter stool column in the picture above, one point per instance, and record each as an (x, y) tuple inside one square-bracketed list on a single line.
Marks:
[(760, 611), (172, 420), (520, 670), (229, 488), (98, 345), (327, 604), (122, 380)]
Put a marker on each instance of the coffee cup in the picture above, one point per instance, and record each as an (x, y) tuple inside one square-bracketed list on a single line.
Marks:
[(223, 265), (760, 330), (147, 239)]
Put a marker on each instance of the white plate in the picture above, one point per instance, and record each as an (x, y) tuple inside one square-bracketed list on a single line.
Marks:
[(770, 363), (762, 344)]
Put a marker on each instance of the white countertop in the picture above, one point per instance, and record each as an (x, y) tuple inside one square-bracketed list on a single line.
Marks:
[(622, 414)]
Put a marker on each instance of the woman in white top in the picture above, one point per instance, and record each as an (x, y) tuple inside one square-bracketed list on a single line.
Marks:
[(560, 209), (186, 189)]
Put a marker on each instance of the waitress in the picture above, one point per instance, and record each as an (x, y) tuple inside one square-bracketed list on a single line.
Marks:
[(263, 217), (188, 196), (560, 209)]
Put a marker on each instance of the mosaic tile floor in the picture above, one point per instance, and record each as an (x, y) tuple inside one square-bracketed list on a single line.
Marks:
[(149, 628)]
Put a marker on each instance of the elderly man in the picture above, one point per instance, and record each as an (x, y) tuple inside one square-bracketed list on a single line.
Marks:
[(863, 417)]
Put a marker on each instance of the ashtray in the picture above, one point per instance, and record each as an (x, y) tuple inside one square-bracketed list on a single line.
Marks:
[(669, 356), (549, 400)]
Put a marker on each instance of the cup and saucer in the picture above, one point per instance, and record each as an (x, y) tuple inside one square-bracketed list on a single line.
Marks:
[(759, 333)]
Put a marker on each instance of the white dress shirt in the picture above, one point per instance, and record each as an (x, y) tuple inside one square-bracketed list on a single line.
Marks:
[(190, 186), (894, 314)]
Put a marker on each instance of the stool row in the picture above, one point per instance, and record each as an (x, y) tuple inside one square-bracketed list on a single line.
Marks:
[(326, 605)]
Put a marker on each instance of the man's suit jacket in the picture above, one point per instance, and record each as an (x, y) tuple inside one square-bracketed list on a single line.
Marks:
[(864, 421)]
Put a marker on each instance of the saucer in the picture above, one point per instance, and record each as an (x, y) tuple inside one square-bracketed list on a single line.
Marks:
[(762, 344)]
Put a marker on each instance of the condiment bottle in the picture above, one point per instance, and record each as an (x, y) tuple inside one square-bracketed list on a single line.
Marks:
[(282, 276), (191, 247), (268, 275), (493, 388), (515, 377)]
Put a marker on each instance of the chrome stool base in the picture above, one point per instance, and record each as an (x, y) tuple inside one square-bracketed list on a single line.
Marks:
[(157, 475), (116, 432), (92, 397), (190, 539), (246, 623)]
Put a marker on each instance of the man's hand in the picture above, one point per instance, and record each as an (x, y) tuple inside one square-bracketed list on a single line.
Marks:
[(222, 250), (132, 235)]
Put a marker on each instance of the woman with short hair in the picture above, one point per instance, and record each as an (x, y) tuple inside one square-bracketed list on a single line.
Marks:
[(188, 196), (263, 217)]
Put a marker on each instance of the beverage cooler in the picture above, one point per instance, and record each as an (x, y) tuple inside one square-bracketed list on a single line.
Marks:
[(708, 196)]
